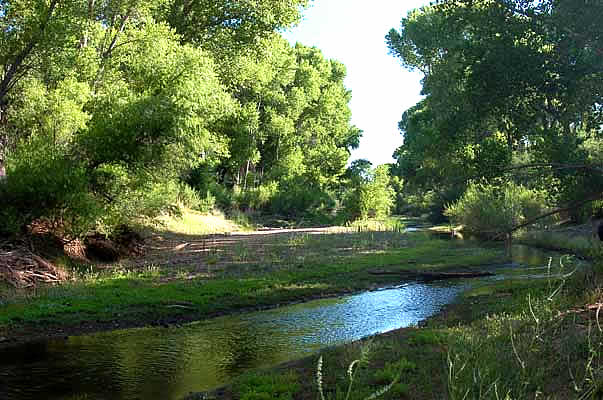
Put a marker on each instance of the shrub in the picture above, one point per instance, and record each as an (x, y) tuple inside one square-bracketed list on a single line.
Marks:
[(257, 198), (371, 197), (299, 197), (490, 210), (44, 185)]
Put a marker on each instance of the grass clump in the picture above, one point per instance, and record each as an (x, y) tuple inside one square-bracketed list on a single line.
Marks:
[(351, 373), (391, 224), (258, 386), (549, 347)]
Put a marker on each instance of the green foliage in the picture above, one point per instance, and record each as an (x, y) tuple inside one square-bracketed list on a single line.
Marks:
[(492, 210), (370, 194), (125, 101), (266, 387), (489, 67), (45, 184), (298, 198), (392, 370), (257, 198)]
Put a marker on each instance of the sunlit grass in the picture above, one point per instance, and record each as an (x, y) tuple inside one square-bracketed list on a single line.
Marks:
[(279, 269), (195, 223), (579, 244)]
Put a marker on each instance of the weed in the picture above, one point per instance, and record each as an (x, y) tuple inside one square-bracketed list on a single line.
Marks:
[(352, 371), (257, 386), (514, 355)]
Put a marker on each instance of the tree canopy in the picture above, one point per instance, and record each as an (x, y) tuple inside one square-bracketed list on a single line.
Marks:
[(506, 83), (119, 103)]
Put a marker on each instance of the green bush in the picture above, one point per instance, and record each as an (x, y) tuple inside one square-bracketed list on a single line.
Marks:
[(300, 198), (370, 197), (491, 210), (256, 198), (132, 197), (44, 185), (191, 198)]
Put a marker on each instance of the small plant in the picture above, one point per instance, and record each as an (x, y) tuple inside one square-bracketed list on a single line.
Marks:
[(351, 373), (392, 370), (256, 386)]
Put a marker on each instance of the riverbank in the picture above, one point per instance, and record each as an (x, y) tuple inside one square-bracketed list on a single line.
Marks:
[(186, 277), (516, 340)]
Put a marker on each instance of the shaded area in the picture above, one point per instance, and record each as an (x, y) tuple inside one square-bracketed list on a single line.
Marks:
[(168, 363)]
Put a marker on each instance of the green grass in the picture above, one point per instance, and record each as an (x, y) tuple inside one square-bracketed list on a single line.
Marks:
[(505, 340), (582, 245), (196, 223), (295, 268)]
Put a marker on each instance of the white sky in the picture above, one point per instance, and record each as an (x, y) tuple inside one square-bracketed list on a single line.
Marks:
[(353, 32)]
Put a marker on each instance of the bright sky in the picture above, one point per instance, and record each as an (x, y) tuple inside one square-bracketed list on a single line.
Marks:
[(353, 32)]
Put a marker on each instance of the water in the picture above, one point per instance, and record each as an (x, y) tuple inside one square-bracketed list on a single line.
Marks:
[(169, 363)]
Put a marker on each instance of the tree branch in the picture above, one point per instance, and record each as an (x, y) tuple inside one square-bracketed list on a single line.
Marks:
[(7, 83)]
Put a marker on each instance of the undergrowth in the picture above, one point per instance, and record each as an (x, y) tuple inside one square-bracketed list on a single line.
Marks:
[(552, 347)]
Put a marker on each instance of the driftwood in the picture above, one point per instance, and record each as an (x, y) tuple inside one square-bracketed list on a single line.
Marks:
[(21, 268), (427, 276)]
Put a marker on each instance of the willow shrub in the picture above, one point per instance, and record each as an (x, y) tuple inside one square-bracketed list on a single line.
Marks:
[(491, 210)]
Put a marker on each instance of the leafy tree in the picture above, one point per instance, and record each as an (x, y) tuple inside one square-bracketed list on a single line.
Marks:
[(502, 79), (370, 193)]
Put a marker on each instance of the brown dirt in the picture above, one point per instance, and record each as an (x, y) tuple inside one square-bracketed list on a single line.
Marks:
[(204, 256)]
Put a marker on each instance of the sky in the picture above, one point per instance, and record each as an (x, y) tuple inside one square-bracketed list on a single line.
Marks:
[(353, 32)]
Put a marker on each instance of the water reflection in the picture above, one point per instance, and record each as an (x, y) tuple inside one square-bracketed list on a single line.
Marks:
[(168, 363)]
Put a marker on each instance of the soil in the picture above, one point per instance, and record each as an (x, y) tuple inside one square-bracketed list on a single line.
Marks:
[(200, 256)]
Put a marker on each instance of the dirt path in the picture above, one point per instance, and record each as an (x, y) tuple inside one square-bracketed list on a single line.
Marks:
[(177, 255)]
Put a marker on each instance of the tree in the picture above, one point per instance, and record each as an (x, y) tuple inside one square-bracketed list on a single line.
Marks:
[(369, 191), (503, 80)]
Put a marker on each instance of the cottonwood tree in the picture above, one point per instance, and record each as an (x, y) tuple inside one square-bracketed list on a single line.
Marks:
[(506, 82)]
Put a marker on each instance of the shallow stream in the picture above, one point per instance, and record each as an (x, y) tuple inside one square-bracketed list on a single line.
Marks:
[(169, 363)]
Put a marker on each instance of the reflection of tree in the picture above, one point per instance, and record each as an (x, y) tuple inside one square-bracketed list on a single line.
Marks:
[(159, 363), (56, 369), (244, 345)]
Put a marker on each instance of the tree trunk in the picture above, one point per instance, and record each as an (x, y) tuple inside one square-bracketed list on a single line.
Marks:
[(2, 171), (246, 174)]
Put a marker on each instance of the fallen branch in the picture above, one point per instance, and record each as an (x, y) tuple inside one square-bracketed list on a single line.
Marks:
[(431, 275)]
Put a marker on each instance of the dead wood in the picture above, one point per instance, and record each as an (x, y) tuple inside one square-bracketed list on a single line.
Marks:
[(427, 276)]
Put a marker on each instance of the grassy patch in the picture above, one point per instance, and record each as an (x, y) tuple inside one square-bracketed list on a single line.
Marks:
[(195, 223), (243, 274), (506, 340), (581, 244)]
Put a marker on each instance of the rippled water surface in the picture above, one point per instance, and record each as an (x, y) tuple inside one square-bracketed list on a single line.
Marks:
[(168, 363)]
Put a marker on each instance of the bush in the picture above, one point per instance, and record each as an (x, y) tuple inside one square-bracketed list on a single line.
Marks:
[(298, 198), (188, 197), (490, 210), (371, 197), (43, 185), (256, 198)]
